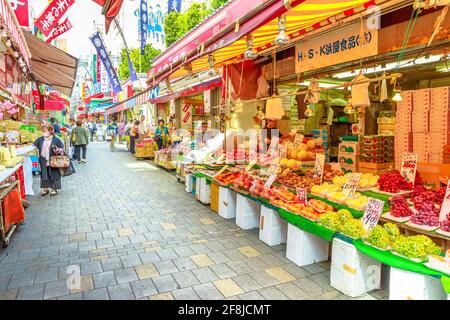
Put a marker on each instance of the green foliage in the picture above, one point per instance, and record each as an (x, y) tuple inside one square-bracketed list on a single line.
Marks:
[(217, 3), (195, 14), (141, 63)]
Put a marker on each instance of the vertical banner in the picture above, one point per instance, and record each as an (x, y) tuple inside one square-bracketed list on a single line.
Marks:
[(50, 17), (104, 57), (59, 30), (94, 71), (133, 75), (21, 9), (143, 25), (174, 5)]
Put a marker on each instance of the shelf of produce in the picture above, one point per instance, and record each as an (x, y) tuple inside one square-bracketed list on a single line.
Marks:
[(355, 213), (379, 196)]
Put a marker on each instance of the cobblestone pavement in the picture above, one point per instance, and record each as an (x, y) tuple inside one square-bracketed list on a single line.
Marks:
[(133, 233)]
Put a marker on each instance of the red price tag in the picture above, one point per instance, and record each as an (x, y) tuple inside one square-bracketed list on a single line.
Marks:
[(409, 166), (372, 213), (302, 195)]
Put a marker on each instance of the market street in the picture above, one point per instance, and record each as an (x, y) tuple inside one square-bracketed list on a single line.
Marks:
[(135, 233)]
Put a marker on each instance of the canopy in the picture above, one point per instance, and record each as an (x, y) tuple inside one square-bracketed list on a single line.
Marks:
[(303, 16), (51, 65), (110, 9)]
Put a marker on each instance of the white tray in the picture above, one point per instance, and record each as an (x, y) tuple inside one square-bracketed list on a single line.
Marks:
[(388, 216), (442, 269), (424, 228), (401, 193), (412, 259), (371, 245), (443, 233)]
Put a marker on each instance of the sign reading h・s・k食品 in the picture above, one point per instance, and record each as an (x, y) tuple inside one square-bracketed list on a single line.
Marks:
[(343, 45)]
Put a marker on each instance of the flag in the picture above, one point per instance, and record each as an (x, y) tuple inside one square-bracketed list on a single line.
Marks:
[(133, 75), (59, 30), (21, 9), (50, 17), (104, 57), (174, 5), (143, 25)]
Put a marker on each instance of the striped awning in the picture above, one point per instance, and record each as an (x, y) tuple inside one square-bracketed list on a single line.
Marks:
[(129, 103), (304, 17)]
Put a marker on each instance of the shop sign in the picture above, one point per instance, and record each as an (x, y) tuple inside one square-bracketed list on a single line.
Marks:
[(351, 185), (59, 30), (445, 207), (372, 213), (302, 195), (172, 107), (336, 47), (207, 101), (298, 140), (21, 9), (283, 150), (50, 17), (409, 166), (186, 117), (319, 166)]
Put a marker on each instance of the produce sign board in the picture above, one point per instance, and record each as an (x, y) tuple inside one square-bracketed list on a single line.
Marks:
[(283, 151), (445, 208), (372, 213), (298, 140), (302, 195), (270, 181), (409, 166), (351, 185), (250, 165), (221, 171), (319, 166)]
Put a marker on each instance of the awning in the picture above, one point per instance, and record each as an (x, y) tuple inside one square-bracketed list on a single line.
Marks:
[(110, 9), (136, 100), (303, 16), (51, 65), (99, 95)]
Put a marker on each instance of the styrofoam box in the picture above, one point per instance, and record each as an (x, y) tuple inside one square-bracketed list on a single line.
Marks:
[(203, 191), (227, 203), (304, 248), (352, 272), (406, 285), (272, 228), (189, 183), (247, 213)]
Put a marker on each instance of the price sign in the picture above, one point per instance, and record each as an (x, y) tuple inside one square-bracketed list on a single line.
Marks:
[(270, 181), (372, 213), (445, 207), (283, 150), (221, 171), (351, 185), (272, 170), (409, 166), (319, 166), (250, 165), (303, 196), (298, 140)]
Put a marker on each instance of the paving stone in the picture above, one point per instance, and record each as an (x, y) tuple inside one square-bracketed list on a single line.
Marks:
[(165, 267), (35, 292), (247, 283), (125, 275), (56, 289), (143, 288), (204, 274), (165, 283), (202, 260), (91, 267), (280, 274), (228, 287), (253, 295), (309, 286), (149, 257), (207, 291), (166, 254), (185, 279), (146, 271), (111, 264), (185, 294), (46, 275), (104, 279), (272, 293), (22, 281), (223, 271), (96, 294), (291, 291), (121, 292), (162, 296)]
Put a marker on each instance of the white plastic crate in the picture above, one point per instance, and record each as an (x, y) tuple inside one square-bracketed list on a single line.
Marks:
[(272, 228), (406, 285), (247, 213), (227, 203), (189, 183), (203, 191), (352, 272), (304, 248)]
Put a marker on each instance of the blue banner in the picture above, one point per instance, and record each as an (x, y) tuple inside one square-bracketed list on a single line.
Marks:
[(104, 57), (174, 5), (133, 75), (143, 25)]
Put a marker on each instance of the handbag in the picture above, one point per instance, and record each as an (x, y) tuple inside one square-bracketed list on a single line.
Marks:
[(60, 161), (68, 171)]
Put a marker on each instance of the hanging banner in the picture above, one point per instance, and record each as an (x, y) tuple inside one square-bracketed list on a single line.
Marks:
[(173, 5), (49, 19), (143, 25), (104, 57), (94, 70), (133, 75), (21, 9), (59, 30)]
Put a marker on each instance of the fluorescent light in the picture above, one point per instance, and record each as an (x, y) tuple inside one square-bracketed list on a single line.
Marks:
[(321, 84)]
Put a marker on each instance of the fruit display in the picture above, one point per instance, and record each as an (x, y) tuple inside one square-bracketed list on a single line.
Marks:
[(324, 189), (367, 180), (329, 175), (392, 230), (333, 220), (228, 177), (379, 237), (285, 195), (353, 228), (415, 247), (311, 213), (293, 180), (445, 224), (320, 205), (295, 208), (337, 197), (306, 151), (244, 181), (359, 203), (393, 182), (427, 216), (399, 207)]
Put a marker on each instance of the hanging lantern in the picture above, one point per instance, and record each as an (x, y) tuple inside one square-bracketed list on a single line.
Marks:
[(249, 54), (282, 38), (211, 62), (397, 96)]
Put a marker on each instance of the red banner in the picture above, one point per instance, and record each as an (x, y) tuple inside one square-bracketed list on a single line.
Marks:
[(59, 30), (21, 9), (49, 19)]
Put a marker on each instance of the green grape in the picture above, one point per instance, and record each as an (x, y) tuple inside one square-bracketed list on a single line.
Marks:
[(392, 230), (419, 246), (353, 228), (378, 237)]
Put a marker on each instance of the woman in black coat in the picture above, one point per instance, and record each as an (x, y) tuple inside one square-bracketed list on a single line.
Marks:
[(49, 145)]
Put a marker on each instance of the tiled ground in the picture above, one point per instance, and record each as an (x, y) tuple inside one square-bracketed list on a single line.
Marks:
[(133, 233)]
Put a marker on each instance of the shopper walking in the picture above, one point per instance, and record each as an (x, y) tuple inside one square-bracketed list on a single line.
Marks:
[(134, 135), (162, 135), (113, 131), (80, 139), (49, 145)]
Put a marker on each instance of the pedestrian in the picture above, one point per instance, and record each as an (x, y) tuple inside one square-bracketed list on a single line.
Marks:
[(134, 135), (56, 125), (49, 145), (113, 131), (162, 135), (142, 128), (80, 139), (72, 125)]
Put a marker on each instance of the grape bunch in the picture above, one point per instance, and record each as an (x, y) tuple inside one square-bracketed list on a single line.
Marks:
[(394, 182), (419, 247), (439, 195), (418, 190), (379, 237), (399, 207), (418, 181), (426, 217), (445, 224), (392, 230), (353, 228), (333, 220)]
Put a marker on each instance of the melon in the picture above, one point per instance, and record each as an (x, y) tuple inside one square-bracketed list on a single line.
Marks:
[(311, 144), (302, 155)]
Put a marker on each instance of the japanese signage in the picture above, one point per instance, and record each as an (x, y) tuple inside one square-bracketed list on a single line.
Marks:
[(409, 166), (221, 171), (49, 19), (283, 150), (173, 5), (302, 195), (143, 23), (343, 45), (21, 9), (59, 30), (101, 51), (270, 181), (372, 214), (298, 140), (133, 75), (445, 207), (207, 101), (351, 185), (250, 165), (319, 166)]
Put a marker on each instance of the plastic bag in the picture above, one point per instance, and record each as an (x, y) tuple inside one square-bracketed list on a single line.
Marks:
[(28, 176)]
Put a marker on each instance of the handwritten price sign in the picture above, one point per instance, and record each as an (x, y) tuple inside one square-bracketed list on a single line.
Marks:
[(303, 196), (298, 140), (270, 181), (283, 150), (351, 185), (409, 166), (250, 165), (372, 213), (221, 171), (319, 166), (445, 207)]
